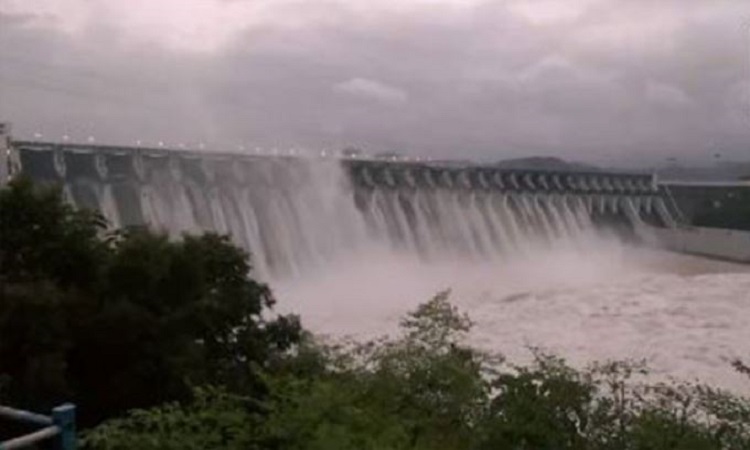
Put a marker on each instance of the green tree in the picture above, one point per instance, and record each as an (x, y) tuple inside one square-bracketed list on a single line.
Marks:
[(128, 319), (42, 237), (50, 258), (422, 390), (214, 419), (549, 405), (542, 407)]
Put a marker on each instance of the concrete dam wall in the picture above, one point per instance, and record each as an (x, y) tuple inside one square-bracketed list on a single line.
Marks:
[(295, 212)]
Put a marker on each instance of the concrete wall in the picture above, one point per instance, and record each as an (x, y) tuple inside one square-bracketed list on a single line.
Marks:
[(731, 245), (694, 199)]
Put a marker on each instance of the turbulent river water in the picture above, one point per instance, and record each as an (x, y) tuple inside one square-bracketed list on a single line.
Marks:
[(688, 317)]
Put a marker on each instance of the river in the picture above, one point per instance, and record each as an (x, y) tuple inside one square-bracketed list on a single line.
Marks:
[(687, 316)]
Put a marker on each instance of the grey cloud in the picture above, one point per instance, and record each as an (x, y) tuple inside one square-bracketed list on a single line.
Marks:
[(372, 90), (609, 86), (667, 96)]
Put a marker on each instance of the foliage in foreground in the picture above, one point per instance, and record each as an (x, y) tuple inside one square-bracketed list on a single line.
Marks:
[(426, 390), (132, 319), (177, 330)]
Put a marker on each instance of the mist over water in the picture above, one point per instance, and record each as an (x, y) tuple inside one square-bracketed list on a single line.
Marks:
[(686, 316), (301, 217), (566, 286)]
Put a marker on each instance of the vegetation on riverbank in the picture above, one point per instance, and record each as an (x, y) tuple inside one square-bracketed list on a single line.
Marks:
[(169, 344), (124, 319), (426, 390)]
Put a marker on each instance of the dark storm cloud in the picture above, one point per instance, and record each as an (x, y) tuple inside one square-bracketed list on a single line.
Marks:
[(619, 82)]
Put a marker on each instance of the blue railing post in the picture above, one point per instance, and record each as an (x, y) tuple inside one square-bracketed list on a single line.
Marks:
[(64, 416)]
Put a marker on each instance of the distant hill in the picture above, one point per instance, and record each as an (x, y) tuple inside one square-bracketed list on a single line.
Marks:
[(546, 163)]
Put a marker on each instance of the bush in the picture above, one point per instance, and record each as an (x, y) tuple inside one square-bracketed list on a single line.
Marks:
[(427, 390), (423, 390), (215, 419)]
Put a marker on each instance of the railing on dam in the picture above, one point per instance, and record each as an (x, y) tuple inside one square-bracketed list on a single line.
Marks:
[(57, 161), (59, 428), (101, 176)]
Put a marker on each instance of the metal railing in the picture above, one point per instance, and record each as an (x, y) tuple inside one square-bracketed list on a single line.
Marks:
[(60, 427)]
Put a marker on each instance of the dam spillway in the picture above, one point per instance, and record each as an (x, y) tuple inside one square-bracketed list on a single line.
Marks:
[(597, 302), (293, 213)]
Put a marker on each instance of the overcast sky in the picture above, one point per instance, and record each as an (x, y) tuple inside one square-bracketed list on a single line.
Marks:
[(607, 81)]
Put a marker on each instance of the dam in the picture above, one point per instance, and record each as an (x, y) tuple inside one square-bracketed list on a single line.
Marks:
[(294, 212), (536, 257)]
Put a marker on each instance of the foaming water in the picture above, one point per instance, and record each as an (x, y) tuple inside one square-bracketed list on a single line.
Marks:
[(687, 316)]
